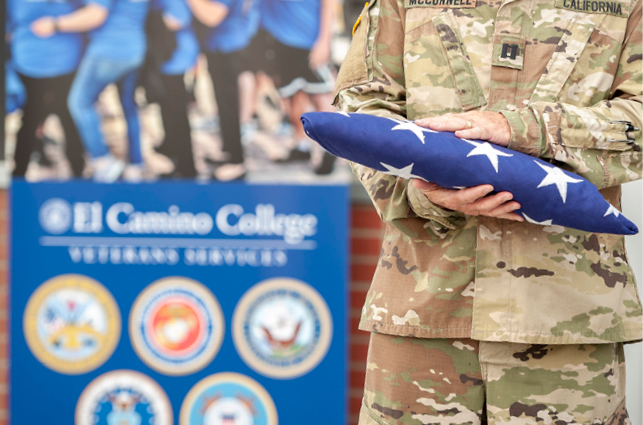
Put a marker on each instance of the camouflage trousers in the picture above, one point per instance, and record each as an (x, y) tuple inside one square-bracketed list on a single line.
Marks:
[(462, 381)]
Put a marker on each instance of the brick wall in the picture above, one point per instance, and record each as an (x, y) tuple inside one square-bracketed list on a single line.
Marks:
[(366, 234), (366, 239)]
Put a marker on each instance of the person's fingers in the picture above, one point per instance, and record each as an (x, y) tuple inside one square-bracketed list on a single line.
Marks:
[(503, 209), (447, 123), (484, 205), (512, 216), (480, 133), (424, 185), (472, 194)]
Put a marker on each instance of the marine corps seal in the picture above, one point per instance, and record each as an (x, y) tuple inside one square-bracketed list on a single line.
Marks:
[(176, 326)]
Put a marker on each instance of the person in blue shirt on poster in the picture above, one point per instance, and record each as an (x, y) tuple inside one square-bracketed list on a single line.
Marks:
[(299, 33), (173, 50), (46, 46), (114, 54), (232, 28), (15, 94)]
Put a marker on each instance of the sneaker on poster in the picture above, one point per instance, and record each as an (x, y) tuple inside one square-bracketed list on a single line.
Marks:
[(248, 132), (301, 152), (230, 172), (134, 173), (326, 165), (107, 169)]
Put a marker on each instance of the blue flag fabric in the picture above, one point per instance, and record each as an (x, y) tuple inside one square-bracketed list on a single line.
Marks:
[(548, 195)]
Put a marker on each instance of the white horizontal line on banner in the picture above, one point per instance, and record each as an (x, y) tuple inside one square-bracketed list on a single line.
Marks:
[(175, 242)]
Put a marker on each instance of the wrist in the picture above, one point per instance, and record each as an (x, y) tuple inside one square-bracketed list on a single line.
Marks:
[(56, 25)]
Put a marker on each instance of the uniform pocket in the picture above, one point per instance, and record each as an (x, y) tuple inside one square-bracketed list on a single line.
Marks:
[(466, 81), (562, 62)]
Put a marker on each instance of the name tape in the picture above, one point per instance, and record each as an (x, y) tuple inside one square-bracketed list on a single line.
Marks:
[(594, 6), (440, 3)]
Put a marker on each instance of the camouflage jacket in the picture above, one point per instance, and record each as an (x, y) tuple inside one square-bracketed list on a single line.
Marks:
[(567, 76)]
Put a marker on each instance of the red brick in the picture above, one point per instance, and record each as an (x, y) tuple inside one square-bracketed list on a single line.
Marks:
[(358, 352), (357, 300), (366, 246), (354, 323), (356, 378), (365, 218), (362, 272), (354, 404)]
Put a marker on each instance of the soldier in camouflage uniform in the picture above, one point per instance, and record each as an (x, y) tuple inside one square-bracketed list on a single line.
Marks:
[(478, 316)]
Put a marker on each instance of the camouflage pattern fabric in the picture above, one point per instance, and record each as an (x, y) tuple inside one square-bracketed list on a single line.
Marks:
[(412, 381), (567, 76)]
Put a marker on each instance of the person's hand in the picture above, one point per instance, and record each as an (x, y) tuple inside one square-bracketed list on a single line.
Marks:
[(472, 201), (319, 54), (43, 27), (171, 22), (490, 126)]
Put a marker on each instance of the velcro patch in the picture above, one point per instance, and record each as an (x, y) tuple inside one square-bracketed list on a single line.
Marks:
[(444, 4), (608, 7)]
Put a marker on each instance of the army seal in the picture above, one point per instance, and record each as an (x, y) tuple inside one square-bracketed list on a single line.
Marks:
[(72, 324)]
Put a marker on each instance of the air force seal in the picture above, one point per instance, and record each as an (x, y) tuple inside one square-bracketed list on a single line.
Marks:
[(176, 326), (228, 399), (72, 324), (282, 328), (123, 397)]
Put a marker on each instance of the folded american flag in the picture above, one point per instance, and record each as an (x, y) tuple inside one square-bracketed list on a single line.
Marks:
[(548, 195)]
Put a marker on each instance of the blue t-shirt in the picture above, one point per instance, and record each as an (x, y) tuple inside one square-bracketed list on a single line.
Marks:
[(187, 45), (236, 30), (294, 23), (43, 57), (122, 36)]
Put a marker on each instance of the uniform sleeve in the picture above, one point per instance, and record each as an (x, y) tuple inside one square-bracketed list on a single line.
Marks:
[(601, 142), (371, 81)]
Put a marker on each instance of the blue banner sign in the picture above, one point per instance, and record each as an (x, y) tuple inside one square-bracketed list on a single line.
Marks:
[(178, 303)]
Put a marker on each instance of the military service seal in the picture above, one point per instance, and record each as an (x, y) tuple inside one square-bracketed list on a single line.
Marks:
[(176, 326), (228, 399), (123, 397), (282, 328), (72, 324)]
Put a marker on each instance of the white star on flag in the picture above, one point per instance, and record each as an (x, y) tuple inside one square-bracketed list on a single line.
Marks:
[(404, 172), (558, 177), (343, 113), (612, 210), (415, 129), (542, 223), (487, 150)]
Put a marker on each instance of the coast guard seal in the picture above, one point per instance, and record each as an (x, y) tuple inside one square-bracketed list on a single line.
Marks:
[(228, 399), (72, 324), (176, 326), (282, 328), (123, 397)]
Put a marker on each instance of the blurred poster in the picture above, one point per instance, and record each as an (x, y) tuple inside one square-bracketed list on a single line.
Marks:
[(143, 90), (181, 304)]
